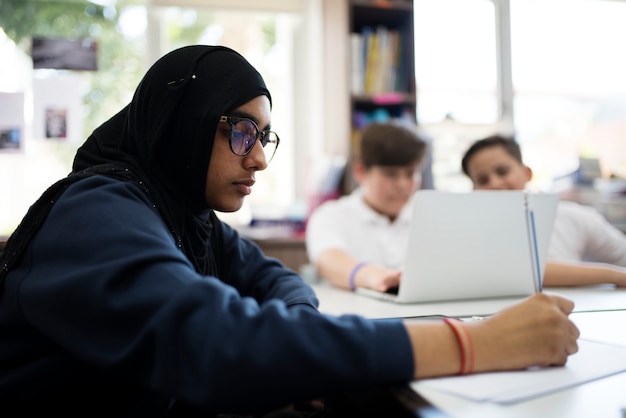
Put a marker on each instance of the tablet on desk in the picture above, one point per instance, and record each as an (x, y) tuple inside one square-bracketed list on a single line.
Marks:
[(475, 245)]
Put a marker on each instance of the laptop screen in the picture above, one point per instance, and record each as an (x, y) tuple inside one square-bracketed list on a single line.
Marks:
[(475, 245)]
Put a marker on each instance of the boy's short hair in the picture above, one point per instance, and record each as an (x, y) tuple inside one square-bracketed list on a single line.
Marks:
[(508, 143), (389, 144)]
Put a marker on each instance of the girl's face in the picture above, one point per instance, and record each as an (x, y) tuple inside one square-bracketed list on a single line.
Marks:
[(230, 177), (493, 168)]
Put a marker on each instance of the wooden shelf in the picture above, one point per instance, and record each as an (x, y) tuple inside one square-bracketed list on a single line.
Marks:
[(291, 251), (393, 63), (345, 103)]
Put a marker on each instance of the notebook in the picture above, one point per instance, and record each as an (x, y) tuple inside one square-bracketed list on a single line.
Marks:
[(475, 245)]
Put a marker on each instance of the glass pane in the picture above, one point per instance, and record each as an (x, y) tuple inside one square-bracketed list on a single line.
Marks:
[(570, 89), (455, 60), (79, 100)]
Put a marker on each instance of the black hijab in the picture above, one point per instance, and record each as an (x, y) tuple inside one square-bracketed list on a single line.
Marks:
[(162, 141)]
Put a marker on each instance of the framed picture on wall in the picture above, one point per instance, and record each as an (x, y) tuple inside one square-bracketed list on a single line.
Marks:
[(11, 122), (10, 138), (65, 54), (56, 122)]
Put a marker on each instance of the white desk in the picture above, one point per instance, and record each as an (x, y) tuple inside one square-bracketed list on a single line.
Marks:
[(600, 315), (337, 301), (609, 327), (604, 398)]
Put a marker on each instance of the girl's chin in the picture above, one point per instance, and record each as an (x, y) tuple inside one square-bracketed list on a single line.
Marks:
[(228, 207)]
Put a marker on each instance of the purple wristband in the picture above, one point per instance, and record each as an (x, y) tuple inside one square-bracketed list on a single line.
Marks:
[(353, 273)]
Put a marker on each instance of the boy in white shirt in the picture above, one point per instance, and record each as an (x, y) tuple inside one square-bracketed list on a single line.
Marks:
[(360, 239), (584, 248)]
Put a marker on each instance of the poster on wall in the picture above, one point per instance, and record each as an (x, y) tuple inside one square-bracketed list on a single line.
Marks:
[(58, 108), (10, 138), (65, 54), (56, 122), (11, 122)]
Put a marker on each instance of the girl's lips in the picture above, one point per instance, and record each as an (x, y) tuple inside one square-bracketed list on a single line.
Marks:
[(244, 187)]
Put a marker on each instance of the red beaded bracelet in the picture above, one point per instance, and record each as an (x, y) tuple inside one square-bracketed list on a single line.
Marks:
[(465, 344)]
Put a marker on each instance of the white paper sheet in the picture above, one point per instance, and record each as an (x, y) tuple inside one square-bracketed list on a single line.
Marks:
[(594, 360)]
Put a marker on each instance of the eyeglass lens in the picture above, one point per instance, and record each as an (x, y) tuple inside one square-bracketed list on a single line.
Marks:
[(244, 135)]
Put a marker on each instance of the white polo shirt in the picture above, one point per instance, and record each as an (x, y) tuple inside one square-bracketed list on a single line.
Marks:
[(349, 224), (581, 233)]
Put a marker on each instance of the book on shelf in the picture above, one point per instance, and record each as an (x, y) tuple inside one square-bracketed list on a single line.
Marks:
[(376, 61), (357, 63)]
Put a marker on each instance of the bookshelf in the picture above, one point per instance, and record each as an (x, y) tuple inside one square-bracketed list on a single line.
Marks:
[(382, 68), (351, 101)]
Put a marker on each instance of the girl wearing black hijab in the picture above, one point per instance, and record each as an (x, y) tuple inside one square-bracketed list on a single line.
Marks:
[(122, 294)]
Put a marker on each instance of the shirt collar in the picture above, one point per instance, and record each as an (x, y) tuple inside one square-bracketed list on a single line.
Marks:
[(369, 215)]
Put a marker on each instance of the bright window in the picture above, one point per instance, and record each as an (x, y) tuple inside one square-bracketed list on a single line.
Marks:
[(282, 44), (456, 76), (455, 50), (567, 67), (569, 80)]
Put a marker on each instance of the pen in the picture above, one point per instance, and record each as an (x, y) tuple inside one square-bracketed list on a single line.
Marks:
[(538, 284), (532, 238)]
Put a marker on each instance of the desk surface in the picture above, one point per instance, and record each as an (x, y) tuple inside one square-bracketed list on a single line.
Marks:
[(600, 315), (605, 397), (602, 398), (337, 301)]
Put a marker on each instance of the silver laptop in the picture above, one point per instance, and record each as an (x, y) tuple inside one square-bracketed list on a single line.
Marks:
[(475, 245)]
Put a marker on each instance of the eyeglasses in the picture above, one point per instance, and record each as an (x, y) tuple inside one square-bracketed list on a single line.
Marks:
[(244, 133)]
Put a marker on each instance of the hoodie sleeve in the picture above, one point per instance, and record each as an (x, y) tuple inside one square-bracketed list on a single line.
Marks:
[(104, 283)]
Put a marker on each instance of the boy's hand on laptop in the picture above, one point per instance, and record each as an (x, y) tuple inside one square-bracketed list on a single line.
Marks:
[(535, 332), (378, 277)]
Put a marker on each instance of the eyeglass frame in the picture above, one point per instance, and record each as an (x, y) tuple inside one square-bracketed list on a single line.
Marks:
[(233, 120)]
